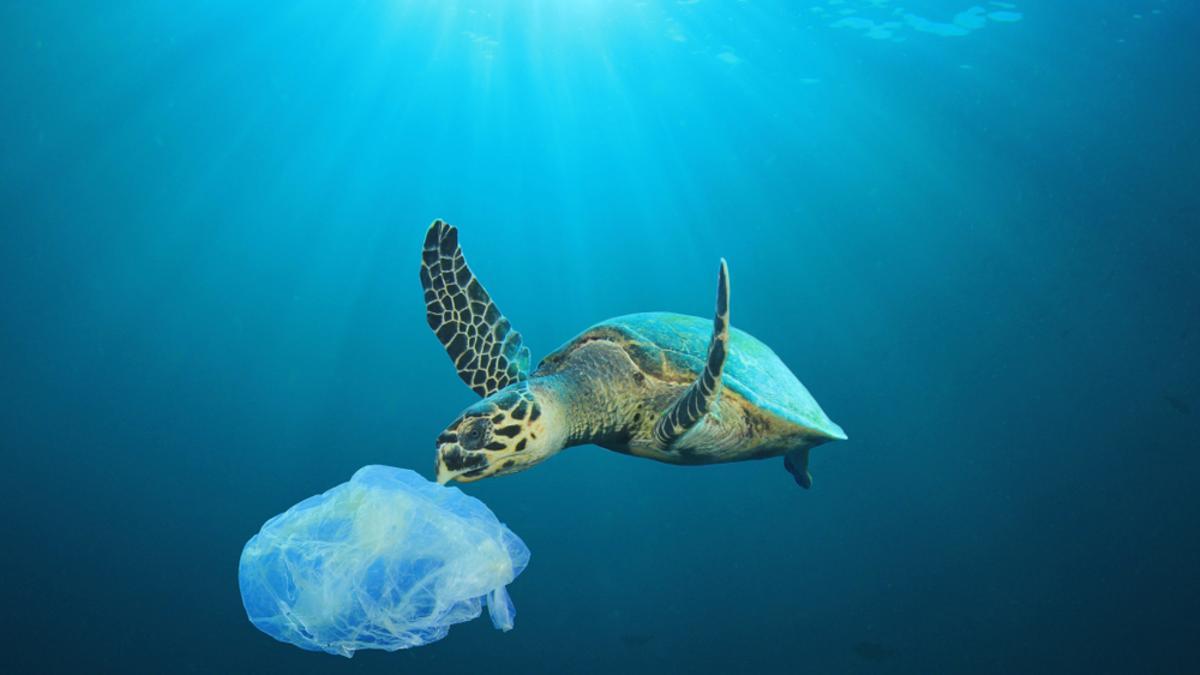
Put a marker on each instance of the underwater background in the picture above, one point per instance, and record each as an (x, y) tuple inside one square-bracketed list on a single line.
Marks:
[(972, 233)]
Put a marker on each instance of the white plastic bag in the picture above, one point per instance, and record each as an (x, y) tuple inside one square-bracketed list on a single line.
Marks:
[(387, 561)]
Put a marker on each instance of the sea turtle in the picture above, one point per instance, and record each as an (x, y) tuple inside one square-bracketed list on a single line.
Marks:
[(669, 387)]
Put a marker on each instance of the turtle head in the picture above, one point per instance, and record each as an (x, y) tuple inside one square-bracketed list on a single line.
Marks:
[(504, 433)]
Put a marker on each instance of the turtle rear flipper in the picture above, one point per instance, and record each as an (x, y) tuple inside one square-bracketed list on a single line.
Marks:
[(487, 353), (796, 462), (695, 402)]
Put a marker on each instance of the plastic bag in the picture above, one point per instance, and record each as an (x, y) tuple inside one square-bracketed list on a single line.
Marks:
[(387, 561)]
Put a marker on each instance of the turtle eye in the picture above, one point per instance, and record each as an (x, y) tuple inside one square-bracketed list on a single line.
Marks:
[(473, 437)]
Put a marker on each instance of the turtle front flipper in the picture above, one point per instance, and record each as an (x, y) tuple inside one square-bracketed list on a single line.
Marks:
[(486, 351), (694, 403)]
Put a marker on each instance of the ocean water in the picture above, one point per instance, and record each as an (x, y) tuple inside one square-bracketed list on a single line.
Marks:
[(972, 233)]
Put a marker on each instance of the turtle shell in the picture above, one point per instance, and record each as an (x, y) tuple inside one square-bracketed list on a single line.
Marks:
[(674, 347)]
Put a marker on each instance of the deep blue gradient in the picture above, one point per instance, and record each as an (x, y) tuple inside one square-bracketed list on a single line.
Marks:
[(980, 253)]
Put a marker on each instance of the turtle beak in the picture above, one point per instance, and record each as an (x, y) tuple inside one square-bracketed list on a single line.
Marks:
[(453, 462), (444, 475)]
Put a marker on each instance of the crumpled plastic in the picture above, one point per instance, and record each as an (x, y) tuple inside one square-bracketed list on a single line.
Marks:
[(388, 560)]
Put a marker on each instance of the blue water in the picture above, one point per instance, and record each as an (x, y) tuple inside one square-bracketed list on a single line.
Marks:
[(979, 251)]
